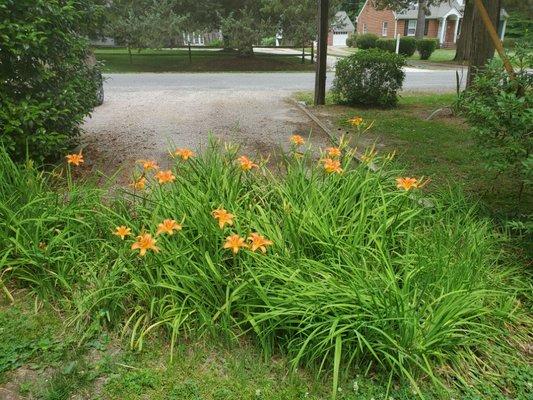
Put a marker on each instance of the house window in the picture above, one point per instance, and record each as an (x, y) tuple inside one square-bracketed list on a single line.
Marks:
[(411, 27), (384, 28), (365, 28), (426, 28)]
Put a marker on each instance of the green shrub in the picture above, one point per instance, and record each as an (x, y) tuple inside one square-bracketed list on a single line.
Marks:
[(500, 111), (426, 47), (268, 41), (357, 271), (386, 44), (366, 41), (352, 40), (407, 46), (47, 85), (369, 77), (509, 43), (219, 43)]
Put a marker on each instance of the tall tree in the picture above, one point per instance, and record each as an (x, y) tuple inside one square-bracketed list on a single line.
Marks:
[(481, 46), (297, 19), (474, 44)]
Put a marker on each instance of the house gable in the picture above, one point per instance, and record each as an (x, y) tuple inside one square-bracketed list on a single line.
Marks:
[(378, 22)]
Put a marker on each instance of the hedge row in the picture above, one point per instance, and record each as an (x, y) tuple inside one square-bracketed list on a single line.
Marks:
[(408, 45)]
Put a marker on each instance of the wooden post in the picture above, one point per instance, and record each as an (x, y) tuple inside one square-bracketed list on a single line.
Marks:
[(494, 37), (322, 49)]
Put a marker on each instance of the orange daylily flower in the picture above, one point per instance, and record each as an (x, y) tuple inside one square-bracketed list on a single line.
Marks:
[(223, 217), (356, 121), (333, 152), (139, 184), (184, 154), (149, 165), (75, 159), (258, 242), (410, 183), (165, 177), (297, 140), (246, 163), (235, 243), (168, 226), (145, 242), (122, 231), (332, 166)]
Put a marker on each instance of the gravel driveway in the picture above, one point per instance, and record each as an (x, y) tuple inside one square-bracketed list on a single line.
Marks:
[(145, 115), (141, 119)]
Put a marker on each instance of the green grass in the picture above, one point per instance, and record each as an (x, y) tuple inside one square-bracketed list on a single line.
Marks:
[(360, 279), (442, 149), (117, 60)]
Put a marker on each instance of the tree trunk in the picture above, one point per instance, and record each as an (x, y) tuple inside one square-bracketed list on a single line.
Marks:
[(303, 53), (465, 38), (131, 56), (421, 19), (482, 47)]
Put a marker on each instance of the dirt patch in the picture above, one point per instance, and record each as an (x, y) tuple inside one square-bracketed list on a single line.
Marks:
[(135, 125)]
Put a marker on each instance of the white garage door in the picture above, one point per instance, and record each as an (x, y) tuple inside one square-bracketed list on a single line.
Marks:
[(339, 38)]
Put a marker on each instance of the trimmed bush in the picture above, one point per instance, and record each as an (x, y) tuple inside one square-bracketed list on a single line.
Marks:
[(47, 86), (369, 77), (366, 41), (352, 40), (407, 46), (426, 47), (386, 44), (268, 41), (219, 43), (509, 43)]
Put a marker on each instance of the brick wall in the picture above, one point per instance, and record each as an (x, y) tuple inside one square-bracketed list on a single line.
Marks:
[(433, 28), (374, 20)]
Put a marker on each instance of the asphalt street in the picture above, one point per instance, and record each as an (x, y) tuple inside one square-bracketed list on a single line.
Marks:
[(415, 80)]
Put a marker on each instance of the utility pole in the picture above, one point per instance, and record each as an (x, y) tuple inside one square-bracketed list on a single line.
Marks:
[(322, 50)]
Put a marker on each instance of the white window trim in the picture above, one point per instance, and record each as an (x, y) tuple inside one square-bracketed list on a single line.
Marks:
[(384, 28), (411, 30)]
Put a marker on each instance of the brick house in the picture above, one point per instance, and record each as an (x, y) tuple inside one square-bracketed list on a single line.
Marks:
[(442, 23)]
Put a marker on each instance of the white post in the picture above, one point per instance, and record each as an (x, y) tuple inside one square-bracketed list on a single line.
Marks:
[(442, 31), (502, 34), (398, 43), (456, 30)]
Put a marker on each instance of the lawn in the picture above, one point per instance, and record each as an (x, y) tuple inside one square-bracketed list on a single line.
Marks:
[(442, 149), (40, 359), (209, 60)]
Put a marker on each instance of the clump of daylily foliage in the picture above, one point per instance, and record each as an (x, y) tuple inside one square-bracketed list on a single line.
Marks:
[(338, 267)]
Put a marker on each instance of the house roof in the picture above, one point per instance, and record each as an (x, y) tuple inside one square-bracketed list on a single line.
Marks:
[(443, 9), (343, 22), (450, 7)]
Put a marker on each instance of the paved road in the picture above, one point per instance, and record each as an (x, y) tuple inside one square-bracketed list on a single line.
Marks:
[(416, 80)]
